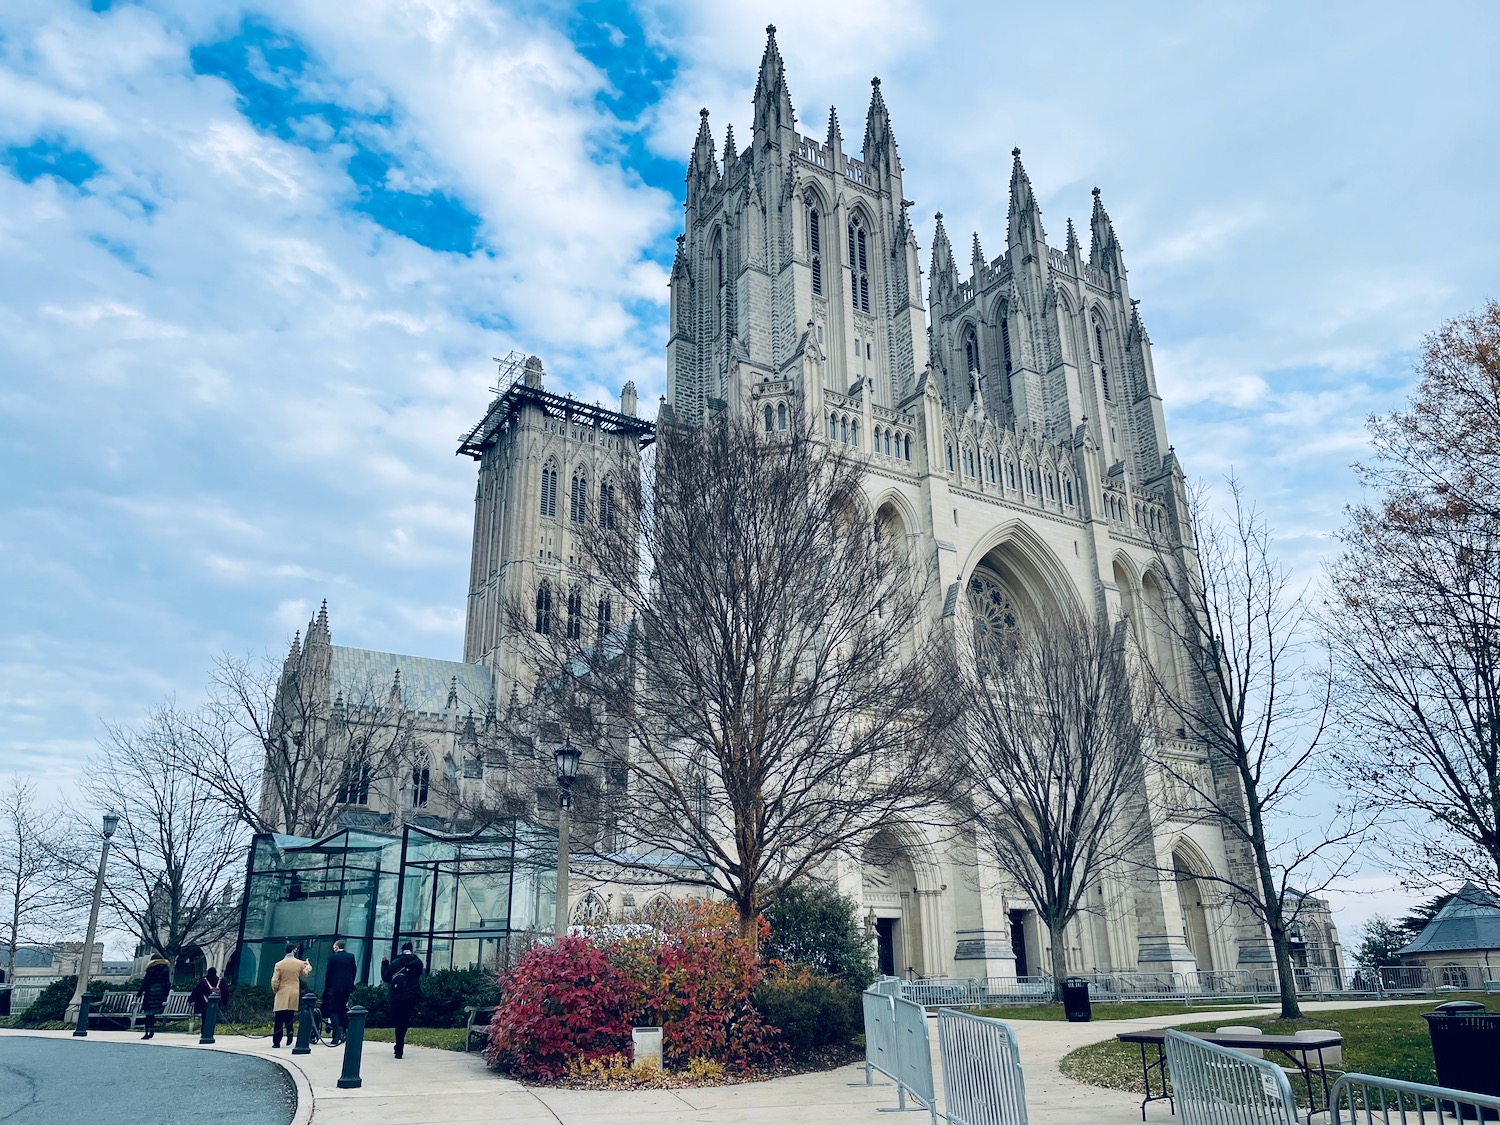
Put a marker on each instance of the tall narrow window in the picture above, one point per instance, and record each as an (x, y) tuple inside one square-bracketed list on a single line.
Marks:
[(781, 416), (578, 499), (950, 458), (1099, 354), (575, 614), (859, 267), (544, 609), (971, 351), (908, 447), (607, 505), (833, 426), (1005, 342), (354, 784), (815, 249), (606, 615), (768, 418), (549, 489), (421, 780)]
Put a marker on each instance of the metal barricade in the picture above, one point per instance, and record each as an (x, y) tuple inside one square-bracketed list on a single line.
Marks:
[(982, 1079), (1216, 1086), (1405, 978), (887, 986), (1364, 1099), (944, 992), (898, 1046)]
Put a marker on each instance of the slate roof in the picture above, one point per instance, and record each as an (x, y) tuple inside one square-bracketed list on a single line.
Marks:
[(1470, 921), (361, 673)]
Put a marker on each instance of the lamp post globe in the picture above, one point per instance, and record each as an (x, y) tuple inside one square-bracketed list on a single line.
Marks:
[(111, 823), (568, 757)]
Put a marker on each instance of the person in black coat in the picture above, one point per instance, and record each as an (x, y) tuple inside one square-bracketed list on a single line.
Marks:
[(155, 986), (209, 984), (404, 975), (338, 986)]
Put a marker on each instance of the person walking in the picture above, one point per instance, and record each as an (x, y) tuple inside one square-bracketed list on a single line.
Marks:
[(209, 984), (404, 975), (338, 986), (155, 986), (286, 982)]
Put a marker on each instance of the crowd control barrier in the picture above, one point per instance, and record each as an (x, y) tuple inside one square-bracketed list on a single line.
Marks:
[(897, 1045), (982, 1080), (1214, 1085), (1361, 1099)]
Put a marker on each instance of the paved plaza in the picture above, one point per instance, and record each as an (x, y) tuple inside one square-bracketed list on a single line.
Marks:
[(442, 1087)]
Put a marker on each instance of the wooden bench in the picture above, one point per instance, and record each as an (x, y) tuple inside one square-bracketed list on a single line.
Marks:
[(125, 1007), (478, 1026)]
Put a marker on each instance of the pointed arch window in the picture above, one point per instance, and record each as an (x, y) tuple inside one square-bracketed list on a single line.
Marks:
[(578, 499), (354, 784), (1099, 355), (768, 418), (844, 430), (815, 249), (781, 416), (971, 351), (607, 505), (1068, 491), (908, 447), (544, 609), (950, 458), (421, 784), (1010, 474), (989, 467), (854, 433), (833, 426), (606, 617), (549, 490), (1005, 341), (859, 267), (575, 614)]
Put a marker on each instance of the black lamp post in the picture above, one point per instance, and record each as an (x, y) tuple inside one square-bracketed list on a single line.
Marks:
[(568, 756), (111, 822)]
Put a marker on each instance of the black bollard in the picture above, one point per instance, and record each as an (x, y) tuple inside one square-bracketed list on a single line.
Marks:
[(354, 1048), (305, 1026), (84, 1003), (210, 1020)]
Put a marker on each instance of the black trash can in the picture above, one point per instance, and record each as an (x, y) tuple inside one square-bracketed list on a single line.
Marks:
[(1076, 1006), (5, 999), (1465, 1045)]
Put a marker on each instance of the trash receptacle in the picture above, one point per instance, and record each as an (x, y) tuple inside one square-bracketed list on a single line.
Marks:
[(1465, 1045), (5, 999), (1076, 1006)]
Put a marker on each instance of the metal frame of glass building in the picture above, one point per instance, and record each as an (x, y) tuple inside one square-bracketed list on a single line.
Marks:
[(456, 898)]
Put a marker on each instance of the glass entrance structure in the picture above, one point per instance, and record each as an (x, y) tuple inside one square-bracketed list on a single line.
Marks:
[(456, 898)]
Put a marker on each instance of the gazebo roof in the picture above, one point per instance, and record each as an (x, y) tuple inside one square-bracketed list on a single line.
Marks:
[(1469, 921)]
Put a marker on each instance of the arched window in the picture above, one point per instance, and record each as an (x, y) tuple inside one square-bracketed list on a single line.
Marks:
[(989, 467), (544, 609), (1005, 341), (971, 350), (578, 498), (549, 489), (606, 617), (833, 426), (768, 418), (781, 415), (607, 505), (421, 781), (859, 267), (854, 433), (1051, 488), (1099, 355), (888, 442), (1068, 491), (1030, 480), (815, 249), (908, 447), (1010, 474), (354, 784), (575, 614), (950, 457), (844, 430)]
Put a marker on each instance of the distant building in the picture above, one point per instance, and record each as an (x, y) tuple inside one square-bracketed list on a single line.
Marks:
[(1461, 945)]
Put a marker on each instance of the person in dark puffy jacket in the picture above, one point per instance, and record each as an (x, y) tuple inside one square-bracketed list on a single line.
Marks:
[(338, 986), (404, 975), (155, 986)]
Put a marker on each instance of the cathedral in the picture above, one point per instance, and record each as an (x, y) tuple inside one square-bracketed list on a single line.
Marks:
[(1009, 419)]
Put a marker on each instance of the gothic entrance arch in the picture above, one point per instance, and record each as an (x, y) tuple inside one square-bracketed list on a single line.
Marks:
[(1193, 902), (899, 891)]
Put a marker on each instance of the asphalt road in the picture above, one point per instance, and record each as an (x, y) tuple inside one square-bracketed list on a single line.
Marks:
[(71, 1082)]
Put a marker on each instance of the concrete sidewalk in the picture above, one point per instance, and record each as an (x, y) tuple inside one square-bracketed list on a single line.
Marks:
[(430, 1086)]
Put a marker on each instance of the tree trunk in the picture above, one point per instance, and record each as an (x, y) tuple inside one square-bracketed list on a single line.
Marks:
[(1275, 921), (750, 921), (1055, 933)]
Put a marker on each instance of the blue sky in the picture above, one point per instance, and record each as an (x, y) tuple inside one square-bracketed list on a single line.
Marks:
[(255, 261)]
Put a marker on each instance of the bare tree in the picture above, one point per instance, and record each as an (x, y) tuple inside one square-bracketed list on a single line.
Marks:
[(178, 852), (1232, 678), (766, 702), (1415, 613), (284, 753), (1051, 734), (36, 895)]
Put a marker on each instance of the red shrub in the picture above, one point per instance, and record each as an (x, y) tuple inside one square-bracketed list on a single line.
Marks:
[(561, 1002)]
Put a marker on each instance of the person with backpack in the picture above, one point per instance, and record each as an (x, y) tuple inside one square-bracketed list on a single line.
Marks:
[(209, 984), (404, 975)]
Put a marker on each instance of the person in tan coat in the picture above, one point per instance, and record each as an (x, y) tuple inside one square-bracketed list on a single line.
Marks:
[(286, 982)]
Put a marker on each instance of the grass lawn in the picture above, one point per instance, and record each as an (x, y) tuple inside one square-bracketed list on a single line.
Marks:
[(443, 1038), (1112, 1010), (1380, 1038)]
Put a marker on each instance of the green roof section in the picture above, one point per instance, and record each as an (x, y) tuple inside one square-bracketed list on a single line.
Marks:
[(1470, 921)]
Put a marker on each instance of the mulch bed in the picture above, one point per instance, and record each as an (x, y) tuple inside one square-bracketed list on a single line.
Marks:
[(825, 1058)]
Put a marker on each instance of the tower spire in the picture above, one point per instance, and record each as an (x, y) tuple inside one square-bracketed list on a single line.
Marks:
[(1104, 247), (1072, 249), (835, 134), (773, 103), (703, 166), (731, 154), (943, 278), (977, 256), (880, 139), (1025, 215)]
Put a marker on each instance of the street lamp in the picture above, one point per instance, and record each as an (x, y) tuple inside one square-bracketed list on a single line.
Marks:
[(111, 822), (568, 756)]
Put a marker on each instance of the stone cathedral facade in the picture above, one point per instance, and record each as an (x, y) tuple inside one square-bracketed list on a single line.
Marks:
[(1009, 418)]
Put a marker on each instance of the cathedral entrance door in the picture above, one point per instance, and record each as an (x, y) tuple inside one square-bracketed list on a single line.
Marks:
[(1018, 941), (885, 946)]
